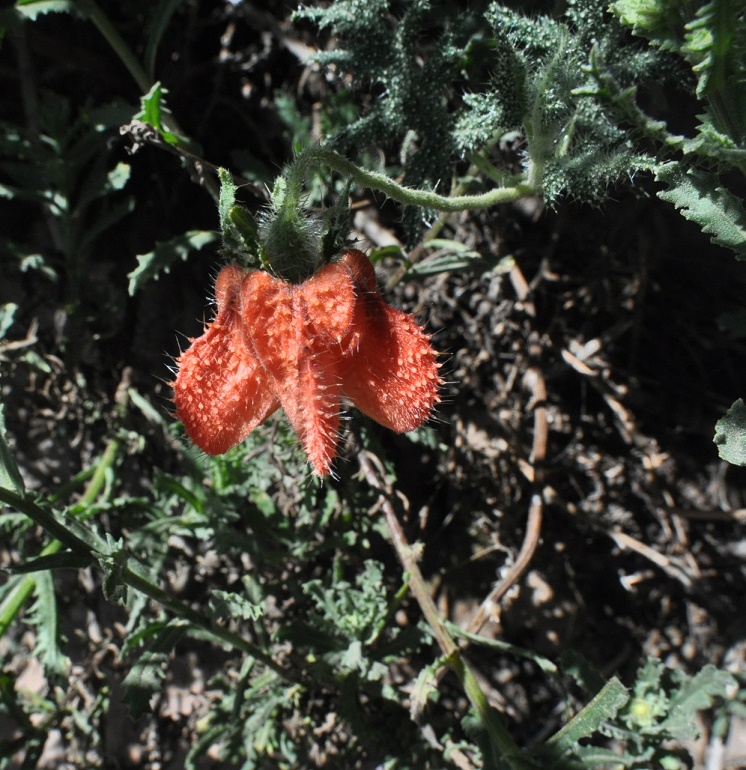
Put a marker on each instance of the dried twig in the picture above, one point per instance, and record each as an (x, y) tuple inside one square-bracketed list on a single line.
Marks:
[(534, 380), (500, 739)]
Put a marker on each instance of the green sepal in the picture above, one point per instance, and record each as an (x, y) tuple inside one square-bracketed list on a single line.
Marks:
[(238, 226), (290, 234)]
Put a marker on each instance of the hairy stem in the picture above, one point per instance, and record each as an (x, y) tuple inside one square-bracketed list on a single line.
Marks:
[(407, 195)]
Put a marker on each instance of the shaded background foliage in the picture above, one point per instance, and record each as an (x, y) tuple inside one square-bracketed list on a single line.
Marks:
[(617, 305)]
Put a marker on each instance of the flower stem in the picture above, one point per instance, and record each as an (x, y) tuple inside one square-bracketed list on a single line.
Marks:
[(91, 9), (409, 196)]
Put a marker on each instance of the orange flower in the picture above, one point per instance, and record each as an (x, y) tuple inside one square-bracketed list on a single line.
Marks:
[(304, 347)]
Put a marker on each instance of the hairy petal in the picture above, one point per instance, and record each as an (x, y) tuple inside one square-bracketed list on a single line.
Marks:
[(297, 333), (329, 302), (221, 393), (393, 377), (361, 270)]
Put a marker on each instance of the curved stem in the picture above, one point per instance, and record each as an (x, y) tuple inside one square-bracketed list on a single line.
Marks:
[(409, 196), (116, 41), (144, 82)]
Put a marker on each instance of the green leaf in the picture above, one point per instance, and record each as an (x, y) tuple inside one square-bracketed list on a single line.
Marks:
[(33, 8), (227, 605), (150, 413), (7, 314), (238, 225), (100, 185), (595, 757), (695, 694), (588, 720), (227, 196), (150, 265), (113, 559), (146, 676), (425, 689), (543, 663), (585, 675), (154, 111), (452, 256), (730, 434), (659, 21), (710, 43), (10, 476), (43, 615), (700, 198)]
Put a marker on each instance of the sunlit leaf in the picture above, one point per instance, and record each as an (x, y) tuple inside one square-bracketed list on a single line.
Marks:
[(730, 434), (695, 694), (33, 8), (700, 197)]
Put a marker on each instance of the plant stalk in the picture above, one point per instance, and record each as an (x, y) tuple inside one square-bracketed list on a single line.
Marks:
[(500, 738), (91, 544), (409, 196), (92, 10), (17, 599)]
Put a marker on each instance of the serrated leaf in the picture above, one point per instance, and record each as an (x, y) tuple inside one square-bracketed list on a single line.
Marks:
[(656, 20), (113, 559), (150, 265), (603, 708), (226, 605), (43, 615), (709, 41), (700, 198), (730, 434), (153, 112), (696, 694), (425, 688), (33, 8), (146, 676), (10, 476)]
